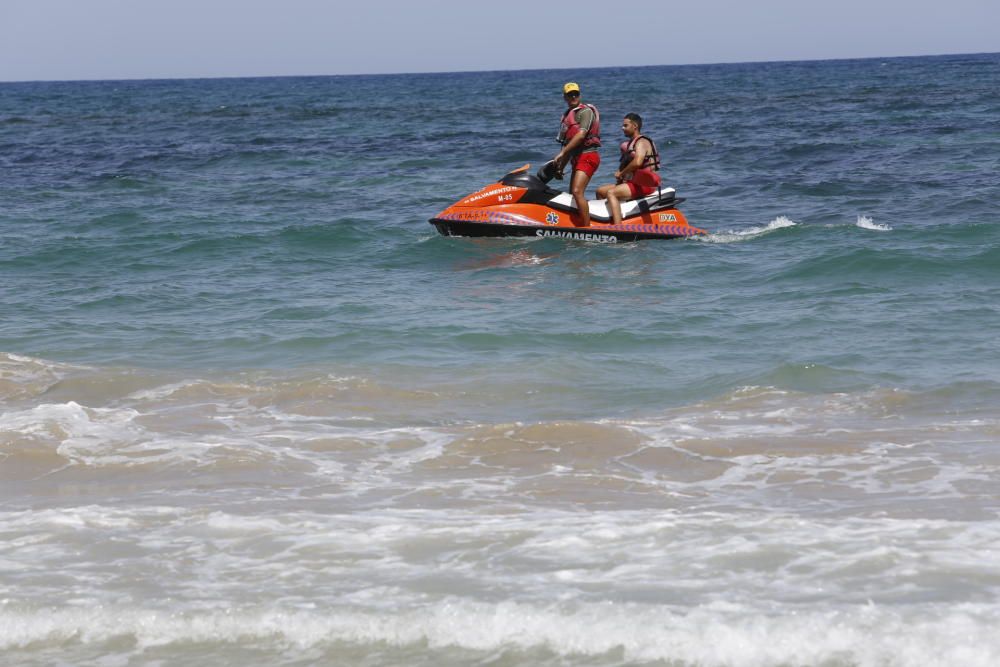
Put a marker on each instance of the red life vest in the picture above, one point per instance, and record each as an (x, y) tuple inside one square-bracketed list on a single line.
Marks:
[(569, 127), (652, 160)]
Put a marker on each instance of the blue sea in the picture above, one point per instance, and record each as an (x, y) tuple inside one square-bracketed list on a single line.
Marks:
[(254, 410)]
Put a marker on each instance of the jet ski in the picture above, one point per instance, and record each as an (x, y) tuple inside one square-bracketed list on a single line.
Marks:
[(522, 204)]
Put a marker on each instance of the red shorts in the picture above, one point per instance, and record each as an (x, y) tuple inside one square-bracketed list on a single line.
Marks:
[(587, 163), (644, 182)]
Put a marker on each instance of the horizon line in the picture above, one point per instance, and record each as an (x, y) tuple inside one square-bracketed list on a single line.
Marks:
[(492, 71)]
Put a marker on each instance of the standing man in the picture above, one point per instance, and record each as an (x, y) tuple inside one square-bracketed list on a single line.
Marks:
[(580, 135), (637, 173)]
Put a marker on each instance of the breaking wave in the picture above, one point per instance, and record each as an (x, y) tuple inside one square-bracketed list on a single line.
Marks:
[(716, 635)]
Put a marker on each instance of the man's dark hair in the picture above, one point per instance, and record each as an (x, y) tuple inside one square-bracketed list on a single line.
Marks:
[(635, 118)]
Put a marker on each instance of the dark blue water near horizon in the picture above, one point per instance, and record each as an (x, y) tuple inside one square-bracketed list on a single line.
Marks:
[(281, 223)]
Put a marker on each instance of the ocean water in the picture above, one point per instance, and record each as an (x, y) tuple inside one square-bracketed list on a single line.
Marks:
[(255, 411)]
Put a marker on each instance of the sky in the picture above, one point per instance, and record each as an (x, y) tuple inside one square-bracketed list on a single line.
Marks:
[(148, 39)]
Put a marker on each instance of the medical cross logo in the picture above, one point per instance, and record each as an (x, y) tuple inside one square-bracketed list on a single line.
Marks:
[(552, 218)]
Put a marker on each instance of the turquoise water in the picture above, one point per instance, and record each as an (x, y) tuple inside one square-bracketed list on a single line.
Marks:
[(254, 410)]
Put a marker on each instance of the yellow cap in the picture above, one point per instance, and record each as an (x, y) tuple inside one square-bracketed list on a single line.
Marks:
[(571, 88)]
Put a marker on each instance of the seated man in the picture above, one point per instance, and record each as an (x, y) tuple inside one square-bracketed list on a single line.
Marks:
[(637, 173)]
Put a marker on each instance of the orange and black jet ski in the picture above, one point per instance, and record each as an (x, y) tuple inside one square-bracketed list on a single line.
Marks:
[(522, 204)]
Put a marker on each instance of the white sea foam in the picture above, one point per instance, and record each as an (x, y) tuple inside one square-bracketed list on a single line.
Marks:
[(99, 436), (720, 634), (686, 559), (161, 392), (734, 236), (865, 222), (23, 377), (197, 433), (80, 433), (695, 587)]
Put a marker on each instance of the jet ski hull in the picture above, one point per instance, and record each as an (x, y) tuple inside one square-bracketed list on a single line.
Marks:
[(522, 205), (597, 232)]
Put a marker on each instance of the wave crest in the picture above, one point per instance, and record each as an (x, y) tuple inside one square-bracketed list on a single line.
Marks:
[(713, 635), (735, 236), (865, 222)]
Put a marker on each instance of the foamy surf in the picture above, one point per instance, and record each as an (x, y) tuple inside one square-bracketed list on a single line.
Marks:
[(720, 634), (277, 517)]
